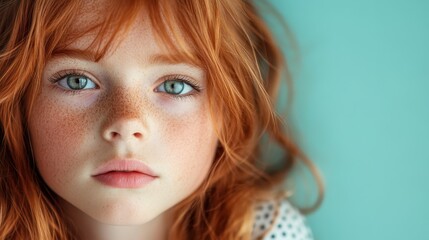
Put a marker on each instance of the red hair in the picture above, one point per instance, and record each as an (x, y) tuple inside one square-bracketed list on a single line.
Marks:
[(243, 65)]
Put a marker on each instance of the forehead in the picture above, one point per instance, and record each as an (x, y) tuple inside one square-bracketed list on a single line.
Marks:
[(101, 26), (140, 33), (96, 24)]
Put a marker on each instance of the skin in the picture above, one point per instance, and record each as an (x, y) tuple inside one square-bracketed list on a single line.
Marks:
[(124, 114)]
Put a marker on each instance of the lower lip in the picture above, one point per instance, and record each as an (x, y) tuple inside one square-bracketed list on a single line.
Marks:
[(125, 179)]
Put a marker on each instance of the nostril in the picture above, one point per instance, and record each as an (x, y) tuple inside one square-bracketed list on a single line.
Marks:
[(114, 135), (124, 130)]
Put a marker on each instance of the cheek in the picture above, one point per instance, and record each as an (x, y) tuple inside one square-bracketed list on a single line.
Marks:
[(190, 144), (56, 136)]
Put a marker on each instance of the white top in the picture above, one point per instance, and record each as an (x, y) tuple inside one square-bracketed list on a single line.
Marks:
[(278, 219)]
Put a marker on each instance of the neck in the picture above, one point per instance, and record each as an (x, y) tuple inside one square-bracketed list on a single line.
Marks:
[(87, 228)]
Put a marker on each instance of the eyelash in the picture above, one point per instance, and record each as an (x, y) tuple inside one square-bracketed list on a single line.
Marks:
[(74, 72), (60, 75), (184, 79)]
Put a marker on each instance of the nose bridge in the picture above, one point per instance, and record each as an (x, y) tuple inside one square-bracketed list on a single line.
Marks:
[(124, 103), (125, 115)]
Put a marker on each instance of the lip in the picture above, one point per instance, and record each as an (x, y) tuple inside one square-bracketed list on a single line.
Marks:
[(124, 173)]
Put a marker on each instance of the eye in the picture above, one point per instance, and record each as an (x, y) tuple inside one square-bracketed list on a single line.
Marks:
[(76, 82), (175, 87)]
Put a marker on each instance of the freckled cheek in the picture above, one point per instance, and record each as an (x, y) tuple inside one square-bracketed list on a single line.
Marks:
[(190, 145), (56, 135)]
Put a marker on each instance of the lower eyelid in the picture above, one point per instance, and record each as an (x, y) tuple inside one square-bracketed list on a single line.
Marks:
[(94, 85), (188, 85)]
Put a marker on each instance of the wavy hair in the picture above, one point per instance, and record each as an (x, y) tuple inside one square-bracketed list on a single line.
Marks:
[(244, 67)]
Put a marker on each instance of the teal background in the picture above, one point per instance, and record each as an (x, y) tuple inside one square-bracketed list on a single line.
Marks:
[(361, 113)]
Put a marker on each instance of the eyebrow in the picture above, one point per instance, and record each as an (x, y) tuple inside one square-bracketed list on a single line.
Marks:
[(88, 55), (168, 59)]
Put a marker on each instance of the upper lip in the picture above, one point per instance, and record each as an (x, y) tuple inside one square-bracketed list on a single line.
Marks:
[(124, 165)]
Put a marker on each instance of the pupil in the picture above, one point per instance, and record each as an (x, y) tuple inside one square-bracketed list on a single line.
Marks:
[(174, 87), (77, 82)]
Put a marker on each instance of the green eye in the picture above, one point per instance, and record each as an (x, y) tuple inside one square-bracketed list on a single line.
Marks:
[(76, 82), (175, 87)]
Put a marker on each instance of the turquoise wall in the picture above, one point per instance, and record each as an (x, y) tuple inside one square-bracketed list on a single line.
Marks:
[(361, 112)]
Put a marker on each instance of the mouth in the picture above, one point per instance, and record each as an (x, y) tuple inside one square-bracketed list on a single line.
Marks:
[(124, 173), (124, 165)]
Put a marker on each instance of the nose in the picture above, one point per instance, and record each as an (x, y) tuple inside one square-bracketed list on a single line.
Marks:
[(126, 129), (125, 119)]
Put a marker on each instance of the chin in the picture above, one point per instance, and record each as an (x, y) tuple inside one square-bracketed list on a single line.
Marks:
[(123, 216), (111, 211)]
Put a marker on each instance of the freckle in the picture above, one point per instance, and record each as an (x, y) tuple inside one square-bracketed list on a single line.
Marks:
[(74, 124), (121, 103)]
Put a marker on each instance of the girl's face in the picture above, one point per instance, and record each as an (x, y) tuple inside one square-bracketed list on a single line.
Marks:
[(133, 105)]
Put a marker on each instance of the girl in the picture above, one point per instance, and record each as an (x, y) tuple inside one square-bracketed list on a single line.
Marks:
[(141, 120)]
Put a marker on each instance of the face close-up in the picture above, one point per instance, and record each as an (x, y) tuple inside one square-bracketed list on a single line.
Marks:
[(126, 138)]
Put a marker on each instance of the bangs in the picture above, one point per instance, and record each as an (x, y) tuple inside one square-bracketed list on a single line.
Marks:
[(106, 23)]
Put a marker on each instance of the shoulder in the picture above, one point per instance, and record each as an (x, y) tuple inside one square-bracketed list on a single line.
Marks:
[(278, 219)]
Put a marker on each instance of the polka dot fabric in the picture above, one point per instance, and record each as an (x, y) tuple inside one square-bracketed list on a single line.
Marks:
[(279, 220)]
